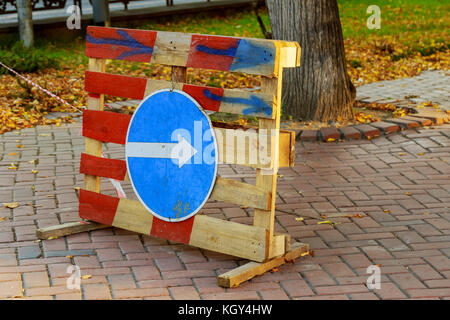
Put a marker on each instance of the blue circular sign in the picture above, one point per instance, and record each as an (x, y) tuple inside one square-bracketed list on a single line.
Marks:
[(171, 155)]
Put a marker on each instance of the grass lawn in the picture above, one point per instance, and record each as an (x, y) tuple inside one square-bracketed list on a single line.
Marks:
[(418, 25)]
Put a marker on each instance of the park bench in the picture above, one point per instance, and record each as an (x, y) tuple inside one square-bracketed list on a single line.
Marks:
[(259, 243)]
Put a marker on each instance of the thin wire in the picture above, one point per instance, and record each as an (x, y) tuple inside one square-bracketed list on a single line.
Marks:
[(42, 89)]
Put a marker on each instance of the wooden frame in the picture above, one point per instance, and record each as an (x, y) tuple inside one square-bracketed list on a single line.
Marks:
[(267, 58)]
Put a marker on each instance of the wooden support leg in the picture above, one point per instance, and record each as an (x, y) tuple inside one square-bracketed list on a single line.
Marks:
[(235, 277), (68, 229)]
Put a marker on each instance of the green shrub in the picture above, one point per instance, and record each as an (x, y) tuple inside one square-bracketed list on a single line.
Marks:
[(355, 63), (26, 60)]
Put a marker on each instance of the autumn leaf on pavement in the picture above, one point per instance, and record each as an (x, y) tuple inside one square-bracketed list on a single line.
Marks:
[(11, 205), (87, 276)]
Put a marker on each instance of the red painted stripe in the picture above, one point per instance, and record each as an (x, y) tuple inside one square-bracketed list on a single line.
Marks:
[(97, 207), (94, 95), (115, 85), (106, 126), (103, 167), (175, 231), (203, 60), (122, 44), (198, 93)]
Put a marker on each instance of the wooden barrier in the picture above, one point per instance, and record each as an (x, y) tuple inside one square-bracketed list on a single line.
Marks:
[(274, 148)]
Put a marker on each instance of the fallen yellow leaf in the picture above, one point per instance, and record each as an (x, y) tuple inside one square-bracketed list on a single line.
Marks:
[(12, 154), (299, 219), (52, 238), (34, 171), (11, 205), (87, 276)]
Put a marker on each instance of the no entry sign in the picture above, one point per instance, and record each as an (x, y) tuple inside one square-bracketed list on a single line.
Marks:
[(171, 155)]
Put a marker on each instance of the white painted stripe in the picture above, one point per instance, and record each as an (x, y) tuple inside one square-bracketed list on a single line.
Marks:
[(182, 151)]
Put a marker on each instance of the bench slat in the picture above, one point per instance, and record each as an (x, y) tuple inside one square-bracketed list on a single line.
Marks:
[(251, 56), (213, 99)]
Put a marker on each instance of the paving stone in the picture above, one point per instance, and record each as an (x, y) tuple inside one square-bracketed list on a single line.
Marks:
[(31, 252), (423, 121), (407, 124), (350, 133), (357, 180), (309, 135), (64, 253), (330, 134), (368, 131), (386, 127)]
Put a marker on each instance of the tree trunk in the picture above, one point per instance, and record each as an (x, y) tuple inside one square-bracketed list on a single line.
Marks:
[(25, 22), (320, 89)]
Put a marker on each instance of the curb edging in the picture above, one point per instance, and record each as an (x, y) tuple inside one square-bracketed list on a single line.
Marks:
[(374, 130)]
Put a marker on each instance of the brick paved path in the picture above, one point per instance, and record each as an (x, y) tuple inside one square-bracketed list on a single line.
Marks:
[(399, 184), (431, 86)]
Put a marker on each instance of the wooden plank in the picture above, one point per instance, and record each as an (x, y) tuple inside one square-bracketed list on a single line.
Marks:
[(252, 104), (278, 245), (244, 147), (252, 56), (250, 270), (172, 48), (103, 167), (120, 44), (236, 146), (243, 194), (106, 126), (231, 238), (115, 85), (94, 147), (204, 232), (224, 190), (267, 179), (287, 149), (68, 229)]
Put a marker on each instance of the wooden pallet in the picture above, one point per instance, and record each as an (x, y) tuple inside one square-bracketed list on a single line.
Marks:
[(274, 148)]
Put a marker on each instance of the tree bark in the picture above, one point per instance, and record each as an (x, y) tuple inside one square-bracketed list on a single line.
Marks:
[(24, 13), (320, 89)]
